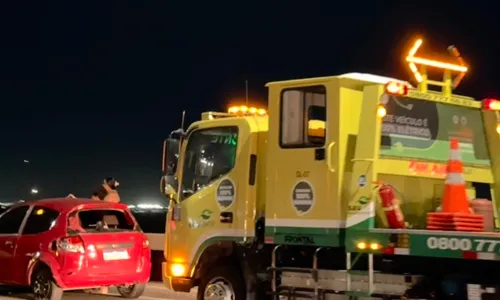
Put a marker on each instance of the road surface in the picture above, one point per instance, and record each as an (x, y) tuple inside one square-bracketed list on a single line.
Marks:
[(154, 291)]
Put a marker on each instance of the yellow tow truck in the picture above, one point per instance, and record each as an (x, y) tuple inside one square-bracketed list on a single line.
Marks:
[(287, 201)]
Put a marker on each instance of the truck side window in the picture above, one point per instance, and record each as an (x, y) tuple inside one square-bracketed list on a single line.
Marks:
[(303, 117), (210, 154)]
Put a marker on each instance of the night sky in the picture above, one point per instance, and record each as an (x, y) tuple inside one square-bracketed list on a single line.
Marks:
[(90, 89)]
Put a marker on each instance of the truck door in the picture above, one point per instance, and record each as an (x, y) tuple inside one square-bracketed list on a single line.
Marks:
[(300, 207), (213, 189)]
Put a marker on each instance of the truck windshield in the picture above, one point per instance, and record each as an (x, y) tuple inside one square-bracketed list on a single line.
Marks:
[(420, 129)]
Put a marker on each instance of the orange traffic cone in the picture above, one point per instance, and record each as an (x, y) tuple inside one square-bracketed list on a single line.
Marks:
[(455, 194), (455, 214)]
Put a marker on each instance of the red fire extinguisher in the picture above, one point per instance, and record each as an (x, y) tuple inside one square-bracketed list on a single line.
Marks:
[(391, 207)]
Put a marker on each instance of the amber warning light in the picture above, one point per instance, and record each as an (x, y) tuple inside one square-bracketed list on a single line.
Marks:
[(392, 88), (246, 111), (396, 88), (413, 61), (491, 104)]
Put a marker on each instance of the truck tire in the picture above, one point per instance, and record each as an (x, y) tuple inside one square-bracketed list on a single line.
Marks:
[(222, 282), (44, 287), (132, 291)]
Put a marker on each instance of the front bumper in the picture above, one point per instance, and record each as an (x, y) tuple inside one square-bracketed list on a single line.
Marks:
[(177, 284)]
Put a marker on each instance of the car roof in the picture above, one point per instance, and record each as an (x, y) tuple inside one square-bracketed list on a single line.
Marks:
[(68, 204)]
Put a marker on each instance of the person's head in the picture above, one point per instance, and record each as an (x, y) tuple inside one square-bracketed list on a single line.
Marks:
[(95, 196), (111, 183)]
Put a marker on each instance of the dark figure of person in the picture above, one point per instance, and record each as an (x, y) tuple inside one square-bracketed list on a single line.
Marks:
[(108, 191)]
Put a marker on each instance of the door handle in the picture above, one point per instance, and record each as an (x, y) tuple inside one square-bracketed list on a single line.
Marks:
[(176, 213), (8, 243), (329, 157), (226, 217)]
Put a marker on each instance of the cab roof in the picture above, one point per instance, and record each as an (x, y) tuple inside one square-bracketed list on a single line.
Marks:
[(365, 77)]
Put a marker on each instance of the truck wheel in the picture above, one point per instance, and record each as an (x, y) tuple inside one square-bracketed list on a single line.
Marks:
[(222, 283), (133, 291), (44, 287)]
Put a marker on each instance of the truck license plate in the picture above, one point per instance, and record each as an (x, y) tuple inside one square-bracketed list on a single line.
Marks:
[(115, 255)]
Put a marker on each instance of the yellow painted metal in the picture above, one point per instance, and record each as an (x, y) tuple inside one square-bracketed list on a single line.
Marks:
[(490, 122), (352, 147)]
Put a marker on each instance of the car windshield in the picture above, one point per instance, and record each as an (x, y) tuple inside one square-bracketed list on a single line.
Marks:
[(101, 220), (419, 129)]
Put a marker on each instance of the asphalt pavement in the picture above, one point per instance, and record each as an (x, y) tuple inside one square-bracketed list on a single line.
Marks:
[(154, 291)]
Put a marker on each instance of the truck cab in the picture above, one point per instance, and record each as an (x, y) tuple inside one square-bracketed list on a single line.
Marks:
[(287, 201)]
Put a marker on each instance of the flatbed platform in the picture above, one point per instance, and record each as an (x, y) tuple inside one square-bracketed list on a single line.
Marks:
[(437, 232), (428, 243)]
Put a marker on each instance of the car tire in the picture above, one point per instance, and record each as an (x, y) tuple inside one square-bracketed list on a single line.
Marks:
[(132, 291), (44, 287), (224, 280), (5, 290)]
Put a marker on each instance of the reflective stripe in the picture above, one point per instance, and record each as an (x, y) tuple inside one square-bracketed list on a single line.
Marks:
[(402, 251), (455, 154), (454, 178), (391, 208), (486, 256)]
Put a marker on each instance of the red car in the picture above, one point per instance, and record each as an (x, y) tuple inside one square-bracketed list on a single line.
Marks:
[(56, 245)]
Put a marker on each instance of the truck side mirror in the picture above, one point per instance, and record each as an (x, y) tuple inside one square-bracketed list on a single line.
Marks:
[(170, 156), (168, 186)]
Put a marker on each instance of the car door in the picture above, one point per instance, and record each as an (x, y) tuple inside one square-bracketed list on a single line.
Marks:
[(33, 236), (11, 223)]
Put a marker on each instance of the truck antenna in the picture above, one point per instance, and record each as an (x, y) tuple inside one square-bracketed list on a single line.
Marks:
[(246, 92), (183, 119)]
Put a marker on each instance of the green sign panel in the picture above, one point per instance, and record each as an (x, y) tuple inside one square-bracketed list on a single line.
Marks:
[(419, 129), (451, 246)]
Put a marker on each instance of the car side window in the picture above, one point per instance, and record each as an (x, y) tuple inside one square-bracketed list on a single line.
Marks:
[(11, 221), (210, 154), (40, 220)]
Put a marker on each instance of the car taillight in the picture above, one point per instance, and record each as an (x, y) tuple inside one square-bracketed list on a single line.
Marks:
[(72, 244)]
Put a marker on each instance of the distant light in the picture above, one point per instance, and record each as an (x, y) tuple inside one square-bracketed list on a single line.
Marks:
[(34, 191), (150, 206), (26, 161)]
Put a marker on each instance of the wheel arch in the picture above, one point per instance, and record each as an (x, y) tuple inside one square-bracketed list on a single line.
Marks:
[(226, 252), (214, 253), (43, 261)]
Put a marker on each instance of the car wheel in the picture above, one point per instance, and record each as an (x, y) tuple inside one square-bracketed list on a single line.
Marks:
[(5, 290), (132, 291), (222, 283), (44, 287)]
